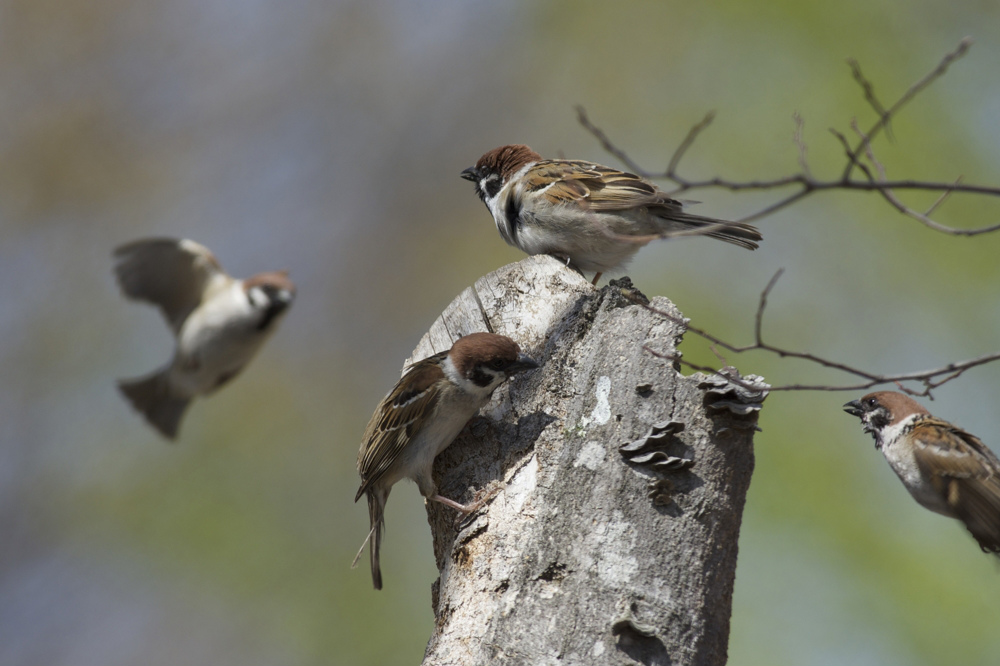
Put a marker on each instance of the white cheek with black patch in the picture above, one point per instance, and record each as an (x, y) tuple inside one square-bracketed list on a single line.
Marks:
[(474, 385), (258, 298), (487, 379), (490, 186)]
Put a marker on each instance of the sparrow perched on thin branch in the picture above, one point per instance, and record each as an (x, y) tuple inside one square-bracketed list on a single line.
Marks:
[(945, 468), (219, 322), (422, 415), (594, 217)]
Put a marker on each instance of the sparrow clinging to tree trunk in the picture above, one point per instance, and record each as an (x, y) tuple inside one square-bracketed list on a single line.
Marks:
[(422, 415)]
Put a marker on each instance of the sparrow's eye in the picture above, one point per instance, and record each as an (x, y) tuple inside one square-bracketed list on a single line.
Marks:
[(871, 402), (498, 364)]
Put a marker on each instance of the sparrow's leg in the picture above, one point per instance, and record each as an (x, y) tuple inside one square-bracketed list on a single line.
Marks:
[(596, 278), (472, 507), (467, 512), (464, 509)]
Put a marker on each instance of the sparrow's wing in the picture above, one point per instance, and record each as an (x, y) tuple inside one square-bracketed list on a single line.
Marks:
[(174, 275), (965, 472), (603, 189), (591, 186), (398, 417)]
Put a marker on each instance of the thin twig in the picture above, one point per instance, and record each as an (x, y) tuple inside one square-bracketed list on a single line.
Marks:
[(686, 143), (942, 67), (869, 151), (889, 196), (801, 144), (581, 116), (941, 199), (759, 319), (851, 156), (869, 90)]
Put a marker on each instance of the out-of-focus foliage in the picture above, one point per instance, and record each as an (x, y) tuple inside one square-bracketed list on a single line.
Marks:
[(327, 138)]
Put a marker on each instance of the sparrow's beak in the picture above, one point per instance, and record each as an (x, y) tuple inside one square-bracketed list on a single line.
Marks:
[(521, 364), (854, 408), (470, 174)]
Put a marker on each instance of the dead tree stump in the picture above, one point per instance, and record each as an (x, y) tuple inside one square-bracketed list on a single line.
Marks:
[(613, 537)]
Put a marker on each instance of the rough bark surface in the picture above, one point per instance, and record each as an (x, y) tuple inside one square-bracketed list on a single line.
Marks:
[(619, 486)]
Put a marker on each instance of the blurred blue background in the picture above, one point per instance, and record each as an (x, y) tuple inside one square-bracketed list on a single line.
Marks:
[(327, 138)]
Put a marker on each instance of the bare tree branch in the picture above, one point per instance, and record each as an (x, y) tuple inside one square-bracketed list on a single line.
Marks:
[(804, 180), (929, 379), (875, 179)]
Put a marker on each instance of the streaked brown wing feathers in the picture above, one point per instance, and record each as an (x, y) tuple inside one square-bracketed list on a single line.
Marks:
[(595, 186), (951, 451), (625, 191), (395, 420), (966, 473)]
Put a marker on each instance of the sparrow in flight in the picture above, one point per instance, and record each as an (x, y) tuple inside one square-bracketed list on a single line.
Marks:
[(219, 322)]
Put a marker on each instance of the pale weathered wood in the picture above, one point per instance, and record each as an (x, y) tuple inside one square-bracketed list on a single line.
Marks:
[(587, 554)]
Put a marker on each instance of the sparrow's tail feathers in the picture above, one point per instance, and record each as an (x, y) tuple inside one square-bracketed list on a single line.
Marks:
[(153, 398), (376, 513), (737, 233)]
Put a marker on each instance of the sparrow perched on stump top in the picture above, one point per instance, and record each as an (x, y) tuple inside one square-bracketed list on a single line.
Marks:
[(594, 217)]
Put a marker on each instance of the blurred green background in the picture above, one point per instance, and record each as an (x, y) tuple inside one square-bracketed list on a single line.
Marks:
[(327, 138)]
